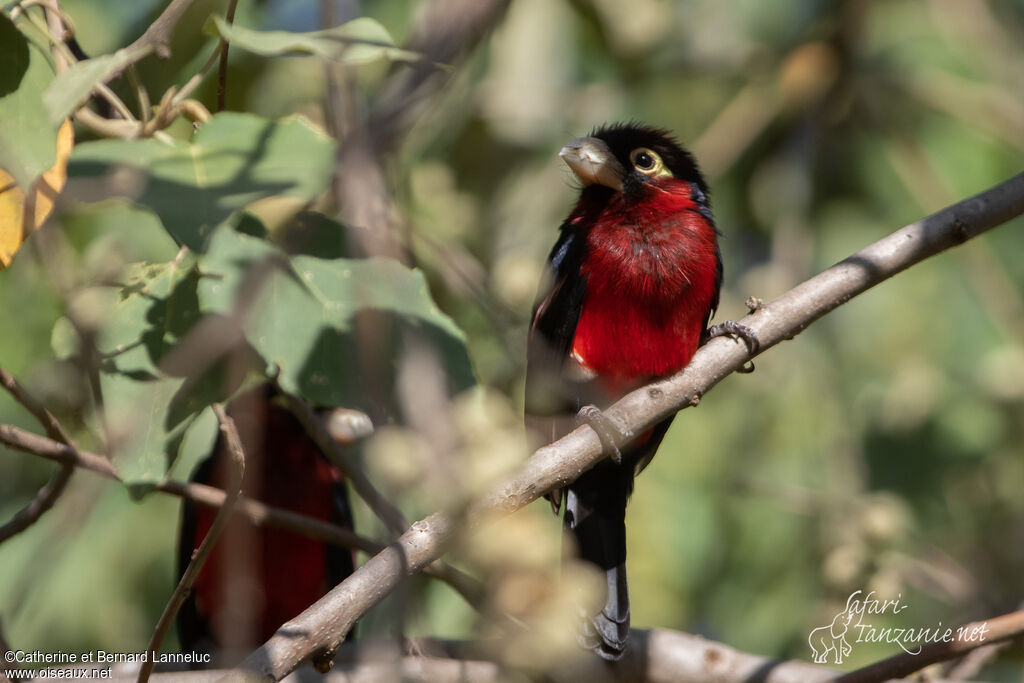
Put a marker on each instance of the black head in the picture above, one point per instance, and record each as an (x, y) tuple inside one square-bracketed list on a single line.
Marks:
[(631, 158), (629, 142)]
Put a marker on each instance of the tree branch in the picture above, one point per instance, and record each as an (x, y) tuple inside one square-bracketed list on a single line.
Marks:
[(968, 637), (158, 35), (222, 69), (322, 627), (254, 511), (381, 506), (656, 656), (51, 491), (443, 32), (234, 490)]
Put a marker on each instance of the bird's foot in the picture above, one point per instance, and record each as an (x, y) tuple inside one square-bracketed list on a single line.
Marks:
[(606, 431), (731, 328)]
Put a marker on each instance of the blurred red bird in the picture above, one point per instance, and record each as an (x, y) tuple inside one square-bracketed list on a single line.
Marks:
[(257, 578), (634, 279)]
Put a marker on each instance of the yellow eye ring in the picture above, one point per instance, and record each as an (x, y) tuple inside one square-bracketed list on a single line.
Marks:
[(647, 161)]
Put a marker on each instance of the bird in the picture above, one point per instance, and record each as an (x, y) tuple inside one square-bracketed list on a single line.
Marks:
[(632, 283), (257, 578)]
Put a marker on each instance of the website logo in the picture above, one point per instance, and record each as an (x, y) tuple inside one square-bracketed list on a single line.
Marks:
[(856, 624)]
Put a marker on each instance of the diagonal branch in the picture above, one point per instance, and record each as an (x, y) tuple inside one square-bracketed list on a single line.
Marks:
[(323, 626), (339, 457), (443, 32), (254, 511), (968, 637), (51, 491), (158, 35), (656, 656), (236, 456)]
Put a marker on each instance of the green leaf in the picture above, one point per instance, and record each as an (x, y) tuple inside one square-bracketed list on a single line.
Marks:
[(302, 314), (153, 418), (137, 411), (153, 310), (137, 395), (72, 88), (116, 233), (358, 41), (233, 160), (196, 443), (64, 340), (28, 145)]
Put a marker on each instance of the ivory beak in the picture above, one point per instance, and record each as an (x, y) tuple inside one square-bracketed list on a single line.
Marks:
[(593, 162)]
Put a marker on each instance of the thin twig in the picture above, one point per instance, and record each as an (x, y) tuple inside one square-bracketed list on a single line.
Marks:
[(968, 667), (968, 637), (175, 99), (158, 35), (234, 490), (325, 624), (736, 127), (51, 491), (39, 412), (222, 71), (930, 188), (658, 656), (339, 457), (443, 32), (468, 587), (107, 128), (54, 29), (261, 514), (57, 25), (254, 511), (141, 95), (44, 499)]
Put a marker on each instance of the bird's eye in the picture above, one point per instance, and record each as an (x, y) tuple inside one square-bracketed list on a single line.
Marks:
[(646, 161)]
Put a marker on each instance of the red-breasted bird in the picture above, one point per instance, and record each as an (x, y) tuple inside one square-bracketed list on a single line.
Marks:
[(634, 279), (257, 578)]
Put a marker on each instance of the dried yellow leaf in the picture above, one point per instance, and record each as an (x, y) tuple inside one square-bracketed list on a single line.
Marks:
[(20, 215)]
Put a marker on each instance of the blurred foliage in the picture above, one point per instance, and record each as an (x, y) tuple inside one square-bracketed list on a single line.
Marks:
[(883, 449)]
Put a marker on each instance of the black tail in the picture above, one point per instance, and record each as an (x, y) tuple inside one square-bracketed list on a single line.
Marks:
[(595, 514)]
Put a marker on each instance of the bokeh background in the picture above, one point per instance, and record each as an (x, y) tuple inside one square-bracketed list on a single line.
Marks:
[(882, 449)]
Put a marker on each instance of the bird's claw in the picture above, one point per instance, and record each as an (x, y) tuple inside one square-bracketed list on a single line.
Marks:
[(731, 328), (606, 431)]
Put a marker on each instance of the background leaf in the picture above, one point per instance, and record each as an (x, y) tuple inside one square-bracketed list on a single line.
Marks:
[(28, 145), (233, 159), (303, 316), (70, 89), (147, 411), (360, 40), (144, 321)]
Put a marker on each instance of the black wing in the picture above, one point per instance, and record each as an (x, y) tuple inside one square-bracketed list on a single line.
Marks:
[(715, 296), (555, 316)]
